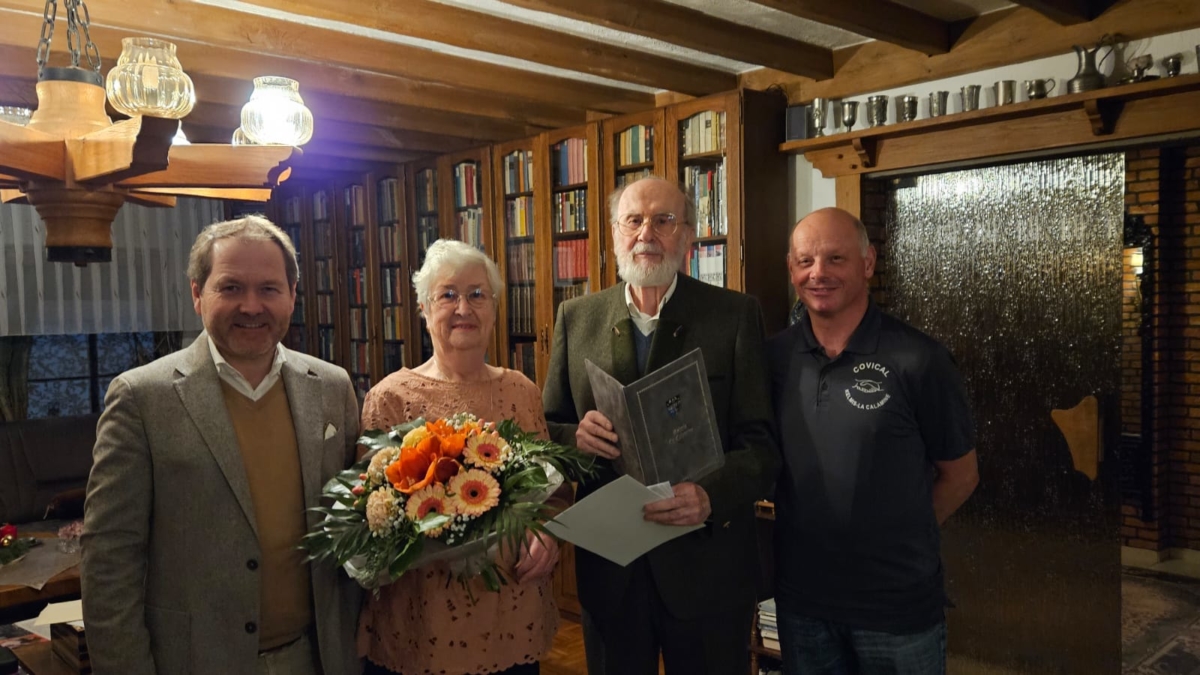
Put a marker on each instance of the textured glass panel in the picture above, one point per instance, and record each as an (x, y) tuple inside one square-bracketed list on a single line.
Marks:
[(118, 352), (1017, 269), (55, 356), (59, 398)]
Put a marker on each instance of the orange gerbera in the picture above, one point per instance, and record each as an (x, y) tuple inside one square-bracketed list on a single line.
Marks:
[(488, 451), (431, 499), (474, 492)]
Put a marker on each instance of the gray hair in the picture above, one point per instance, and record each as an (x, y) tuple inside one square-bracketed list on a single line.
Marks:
[(689, 204), (256, 228), (450, 256)]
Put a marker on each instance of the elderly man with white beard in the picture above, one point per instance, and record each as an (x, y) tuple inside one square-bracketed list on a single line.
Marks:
[(692, 599)]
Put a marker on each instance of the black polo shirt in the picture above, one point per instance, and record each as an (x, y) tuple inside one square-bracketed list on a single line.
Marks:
[(857, 539)]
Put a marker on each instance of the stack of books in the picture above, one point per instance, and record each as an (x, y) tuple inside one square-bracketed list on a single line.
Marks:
[(768, 629), (67, 641)]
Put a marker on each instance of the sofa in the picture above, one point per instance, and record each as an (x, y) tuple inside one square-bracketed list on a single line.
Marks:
[(44, 466)]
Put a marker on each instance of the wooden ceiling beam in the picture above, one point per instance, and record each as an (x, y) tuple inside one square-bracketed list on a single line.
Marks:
[(460, 27), (217, 33), (876, 19), (695, 30), (995, 39), (18, 38)]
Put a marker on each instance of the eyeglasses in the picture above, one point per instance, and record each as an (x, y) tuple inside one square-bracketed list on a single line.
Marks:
[(476, 298), (663, 224)]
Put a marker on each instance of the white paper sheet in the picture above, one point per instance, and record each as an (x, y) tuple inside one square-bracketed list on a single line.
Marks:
[(609, 522)]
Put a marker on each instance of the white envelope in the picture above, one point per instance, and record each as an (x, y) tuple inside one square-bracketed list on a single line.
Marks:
[(609, 522)]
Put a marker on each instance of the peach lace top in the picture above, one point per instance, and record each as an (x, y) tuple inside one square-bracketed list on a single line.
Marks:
[(425, 622)]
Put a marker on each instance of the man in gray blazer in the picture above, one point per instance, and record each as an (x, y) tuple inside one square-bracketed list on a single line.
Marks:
[(691, 599), (205, 463)]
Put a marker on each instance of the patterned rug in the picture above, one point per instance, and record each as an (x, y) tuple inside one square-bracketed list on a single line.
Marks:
[(1160, 624)]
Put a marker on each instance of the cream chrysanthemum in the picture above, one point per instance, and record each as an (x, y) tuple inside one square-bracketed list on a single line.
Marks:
[(427, 500), (415, 436), (487, 451), (474, 492), (379, 464), (383, 511)]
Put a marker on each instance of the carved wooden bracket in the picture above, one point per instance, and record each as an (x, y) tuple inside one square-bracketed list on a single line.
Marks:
[(1103, 114), (867, 148)]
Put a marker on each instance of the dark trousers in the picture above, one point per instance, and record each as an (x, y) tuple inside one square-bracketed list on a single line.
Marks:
[(630, 643), (816, 647), (519, 669)]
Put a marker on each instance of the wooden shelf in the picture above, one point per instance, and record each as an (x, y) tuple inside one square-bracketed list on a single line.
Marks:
[(571, 187), (765, 651), (703, 156), (634, 167), (1155, 107)]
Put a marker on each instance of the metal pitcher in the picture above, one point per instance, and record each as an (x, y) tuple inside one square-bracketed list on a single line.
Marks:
[(1088, 76)]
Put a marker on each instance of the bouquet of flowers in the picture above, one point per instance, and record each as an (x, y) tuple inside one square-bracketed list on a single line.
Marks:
[(13, 547), (448, 489)]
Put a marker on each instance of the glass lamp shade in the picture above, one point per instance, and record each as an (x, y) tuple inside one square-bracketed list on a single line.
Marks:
[(275, 114), (239, 138), (15, 115), (148, 80)]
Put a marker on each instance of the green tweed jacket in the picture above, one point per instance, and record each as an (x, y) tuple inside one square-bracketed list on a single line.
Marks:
[(713, 569)]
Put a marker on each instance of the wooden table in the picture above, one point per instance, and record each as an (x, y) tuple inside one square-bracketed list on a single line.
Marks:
[(39, 660), (62, 586)]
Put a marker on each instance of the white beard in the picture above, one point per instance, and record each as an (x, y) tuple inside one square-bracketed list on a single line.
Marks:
[(649, 274)]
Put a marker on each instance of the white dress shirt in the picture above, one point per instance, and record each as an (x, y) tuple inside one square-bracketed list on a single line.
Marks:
[(646, 323), (240, 384)]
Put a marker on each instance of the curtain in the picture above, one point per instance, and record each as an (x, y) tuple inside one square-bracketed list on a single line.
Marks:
[(144, 288)]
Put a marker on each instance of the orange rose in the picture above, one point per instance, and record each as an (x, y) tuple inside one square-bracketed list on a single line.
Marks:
[(452, 445)]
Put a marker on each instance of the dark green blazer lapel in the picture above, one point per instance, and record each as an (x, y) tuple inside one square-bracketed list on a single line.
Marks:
[(670, 334), (624, 353)]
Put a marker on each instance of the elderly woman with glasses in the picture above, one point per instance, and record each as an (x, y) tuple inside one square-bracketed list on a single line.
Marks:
[(426, 622)]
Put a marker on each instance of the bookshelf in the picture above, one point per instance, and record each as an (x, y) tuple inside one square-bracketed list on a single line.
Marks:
[(354, 218), (633, 148), (289, 212), (423, 209), (324, 271), (393, 276), (517, 240)]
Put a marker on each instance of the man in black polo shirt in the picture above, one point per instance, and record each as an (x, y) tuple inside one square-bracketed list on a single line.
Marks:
[(878, 449)]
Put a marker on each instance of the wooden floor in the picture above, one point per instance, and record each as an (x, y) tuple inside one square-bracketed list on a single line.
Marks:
[(566, 657)]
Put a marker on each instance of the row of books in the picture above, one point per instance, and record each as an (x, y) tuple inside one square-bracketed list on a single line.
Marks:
[(325, 343), (470, 227), (518, 172), (566, 292), (296, 339), (358, 323), (570, 260), (569, 159), (358, 247), (362, 385), (703, 132), (627, 178), (356, 279), (635, 145), (466, 185), (523, 359), (393, 322), (425, 189), (298, 311), (391, 244), (518, 216), (706, 262), (570, 211), (325, 309), (393, 357), (320, 201), (520, 261), (768, 626), (291, 212), (428, 231), (360, 357), (355, 202), (389, 200), (322, 239), (391, 286), (522, 309), (706, 186), (324, 275)]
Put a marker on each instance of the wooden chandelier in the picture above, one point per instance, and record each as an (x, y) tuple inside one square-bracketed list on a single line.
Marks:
[(77, 168)]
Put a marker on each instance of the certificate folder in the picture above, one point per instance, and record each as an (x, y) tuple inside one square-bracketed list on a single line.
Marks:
[(665, 424)]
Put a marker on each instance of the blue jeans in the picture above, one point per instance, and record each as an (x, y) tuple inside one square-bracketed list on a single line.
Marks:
[(816, 647)]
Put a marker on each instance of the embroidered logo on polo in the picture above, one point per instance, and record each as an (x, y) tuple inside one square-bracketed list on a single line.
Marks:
[(869, 391)]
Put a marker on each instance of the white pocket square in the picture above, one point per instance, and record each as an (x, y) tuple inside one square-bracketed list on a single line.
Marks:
[(330, 430)]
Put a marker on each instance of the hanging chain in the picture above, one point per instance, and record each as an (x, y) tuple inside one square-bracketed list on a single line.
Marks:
[(43, 50), (77, 18)]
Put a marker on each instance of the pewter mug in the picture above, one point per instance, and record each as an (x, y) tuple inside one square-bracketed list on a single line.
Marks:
[(819, 106), (877, 110), (969, 96), (849, 114), (1036, 89), (1172, 63), (906, 108), (1006, 92), (939, 103)]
